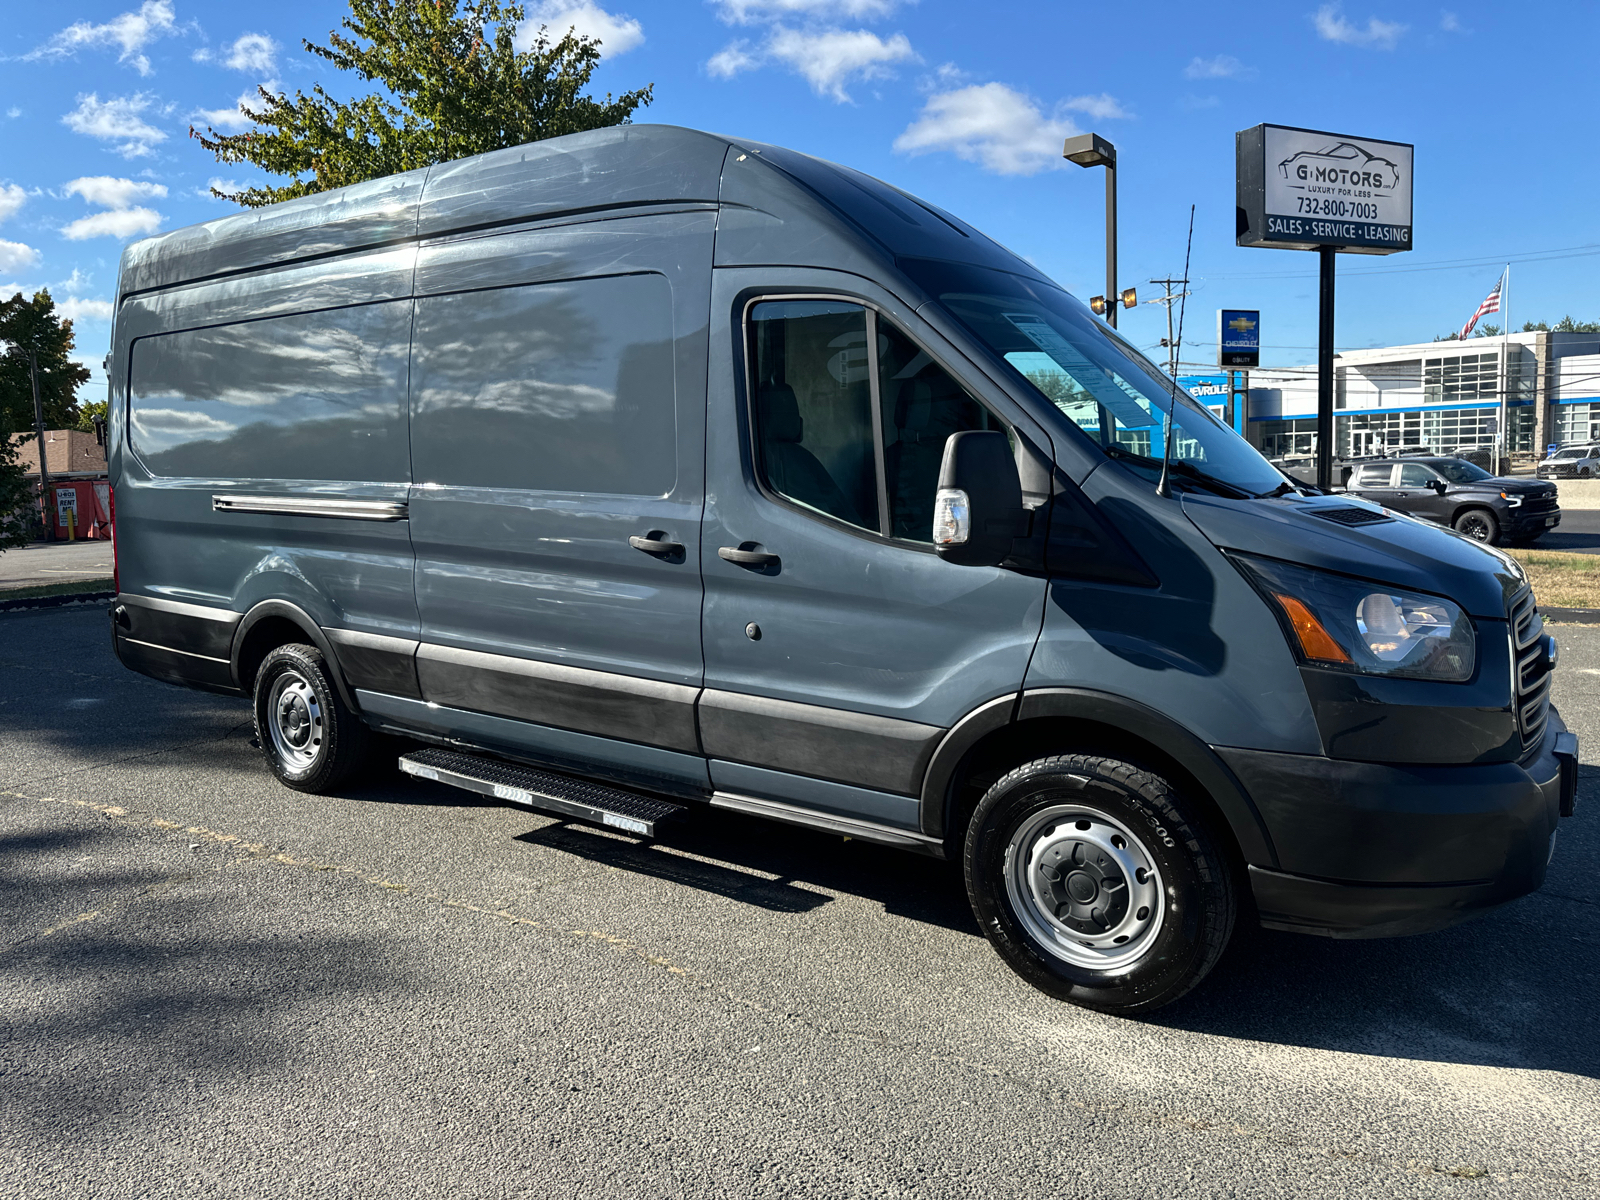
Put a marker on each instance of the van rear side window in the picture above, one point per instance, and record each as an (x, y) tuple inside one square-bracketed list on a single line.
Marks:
[(564, 387), (308, 396)]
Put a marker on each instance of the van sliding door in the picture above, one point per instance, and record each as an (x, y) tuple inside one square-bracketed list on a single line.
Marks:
[(557, 426)]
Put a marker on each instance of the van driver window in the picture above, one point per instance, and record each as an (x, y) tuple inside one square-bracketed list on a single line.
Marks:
[(922, 406), (813, 414), (813, 407)]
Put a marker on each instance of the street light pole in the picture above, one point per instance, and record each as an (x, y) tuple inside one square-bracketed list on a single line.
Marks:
[(44, 469), (1092, 150)]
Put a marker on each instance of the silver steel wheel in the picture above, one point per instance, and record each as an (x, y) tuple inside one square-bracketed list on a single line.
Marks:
[(1084, 887), (295, 721)]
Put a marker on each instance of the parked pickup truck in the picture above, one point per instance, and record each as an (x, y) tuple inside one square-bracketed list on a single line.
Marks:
[(1453, 492)]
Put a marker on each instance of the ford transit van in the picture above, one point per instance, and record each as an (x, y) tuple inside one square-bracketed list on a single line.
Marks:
[(645, 468)]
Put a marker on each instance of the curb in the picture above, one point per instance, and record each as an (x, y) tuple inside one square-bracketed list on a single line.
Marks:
[(1573, 616), (31, 602)]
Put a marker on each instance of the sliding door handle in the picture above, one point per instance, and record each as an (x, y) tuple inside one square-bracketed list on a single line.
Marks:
[(747, 558), (657, 543)]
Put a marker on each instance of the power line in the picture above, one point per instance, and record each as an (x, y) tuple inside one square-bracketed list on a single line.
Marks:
[(1443, 264)]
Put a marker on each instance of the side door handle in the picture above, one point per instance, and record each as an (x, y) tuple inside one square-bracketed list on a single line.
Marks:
[(657, 543), (747, 558)]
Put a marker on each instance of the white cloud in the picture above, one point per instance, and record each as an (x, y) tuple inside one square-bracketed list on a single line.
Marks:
[(12, 198), (254, 53), (110, 192), (75, 309), (731, 59), (14, 256), (119, 222), (13, 112), (1223, 66), (119, 120), (744, 12), (829, 58), (1103, 107), (230, 118), (617, 33), (1333, 27), (990, 124), (132, 32), (1449, 22)]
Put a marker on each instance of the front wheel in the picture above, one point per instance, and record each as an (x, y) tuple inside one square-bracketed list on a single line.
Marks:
[(311, 740), (1097, 883), (1478, 524)]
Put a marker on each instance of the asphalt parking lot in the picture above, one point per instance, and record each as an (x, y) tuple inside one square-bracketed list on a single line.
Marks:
[(212, 986)]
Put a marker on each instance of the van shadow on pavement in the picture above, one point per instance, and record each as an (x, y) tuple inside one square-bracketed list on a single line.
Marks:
[(1512, 988)]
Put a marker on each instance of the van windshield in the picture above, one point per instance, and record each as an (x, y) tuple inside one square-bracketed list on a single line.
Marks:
[(1095, 379)]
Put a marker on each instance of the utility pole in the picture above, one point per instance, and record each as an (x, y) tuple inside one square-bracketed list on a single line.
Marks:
[(44, 469), (1171, 298)]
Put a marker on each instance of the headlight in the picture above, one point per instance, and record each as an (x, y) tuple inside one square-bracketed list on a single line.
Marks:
[(1353, 625)]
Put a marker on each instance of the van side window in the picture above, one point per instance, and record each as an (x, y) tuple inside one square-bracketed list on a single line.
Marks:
[(563, 387), (922, 406), (813, 406), (814, 402), (306, 396), (1376, 476)]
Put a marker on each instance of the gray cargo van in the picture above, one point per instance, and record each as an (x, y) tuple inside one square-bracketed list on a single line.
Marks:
[(644, 468)]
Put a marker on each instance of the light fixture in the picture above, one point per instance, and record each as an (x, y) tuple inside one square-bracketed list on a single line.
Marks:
[(1092, 150)]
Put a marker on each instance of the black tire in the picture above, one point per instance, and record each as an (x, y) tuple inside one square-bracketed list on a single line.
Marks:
[(1040, 813), (1480, 525), (312, 742)]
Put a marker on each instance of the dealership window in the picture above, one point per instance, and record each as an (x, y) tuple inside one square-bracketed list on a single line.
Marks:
[(1288, 439), (1577, 422), (1462, 377)]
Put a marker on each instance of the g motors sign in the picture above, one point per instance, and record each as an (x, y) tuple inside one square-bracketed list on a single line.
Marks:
[(1300, 189)]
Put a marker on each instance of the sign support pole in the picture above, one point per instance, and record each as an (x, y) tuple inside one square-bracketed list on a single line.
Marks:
[(1325, 368)]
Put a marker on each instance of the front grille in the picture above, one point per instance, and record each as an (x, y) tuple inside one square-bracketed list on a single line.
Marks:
[(1531, 679)]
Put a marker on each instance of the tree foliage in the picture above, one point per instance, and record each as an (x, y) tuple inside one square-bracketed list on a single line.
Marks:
[(31, 325), (453, 82)]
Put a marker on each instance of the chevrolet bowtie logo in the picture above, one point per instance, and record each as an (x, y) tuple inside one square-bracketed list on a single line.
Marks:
[(1241, 324)]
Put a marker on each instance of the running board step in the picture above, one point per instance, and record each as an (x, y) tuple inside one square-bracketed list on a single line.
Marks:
[(533, 788)]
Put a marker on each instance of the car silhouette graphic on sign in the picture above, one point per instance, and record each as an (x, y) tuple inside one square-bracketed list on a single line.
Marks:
[(1343, 165)]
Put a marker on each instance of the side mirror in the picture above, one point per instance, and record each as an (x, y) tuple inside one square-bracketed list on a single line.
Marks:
[(1439, 486), (978, 510)]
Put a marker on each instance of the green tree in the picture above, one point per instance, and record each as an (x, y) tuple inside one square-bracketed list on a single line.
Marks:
[(88, 413), (31, 325), (453, 85), (19, 497), (35, 325)]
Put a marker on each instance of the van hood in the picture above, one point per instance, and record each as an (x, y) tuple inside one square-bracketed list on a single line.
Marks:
[(1396, 550)]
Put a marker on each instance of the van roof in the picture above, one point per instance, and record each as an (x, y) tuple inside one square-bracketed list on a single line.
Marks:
[(624, 166)]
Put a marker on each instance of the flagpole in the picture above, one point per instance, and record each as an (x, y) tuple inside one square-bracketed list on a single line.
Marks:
[(1505, 371)]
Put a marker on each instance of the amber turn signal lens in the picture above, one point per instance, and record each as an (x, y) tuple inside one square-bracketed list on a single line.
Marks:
[(1315, 641)]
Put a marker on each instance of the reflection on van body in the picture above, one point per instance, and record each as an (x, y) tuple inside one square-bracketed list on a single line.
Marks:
[(644, 468)]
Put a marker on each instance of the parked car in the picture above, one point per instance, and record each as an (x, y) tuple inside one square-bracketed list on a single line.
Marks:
[(1572, 462), (641, 468), (1453, 492)]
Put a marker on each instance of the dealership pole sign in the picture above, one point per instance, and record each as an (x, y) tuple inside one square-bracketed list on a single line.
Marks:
[(1305, 189), (1238, 337), (1299, 189)]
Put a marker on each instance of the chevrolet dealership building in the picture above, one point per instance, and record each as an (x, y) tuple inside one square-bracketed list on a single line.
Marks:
[(1446, 396)]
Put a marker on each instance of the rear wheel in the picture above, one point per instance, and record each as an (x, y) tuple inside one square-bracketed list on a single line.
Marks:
[(1097, 883), (311, 740), (1478, 524)]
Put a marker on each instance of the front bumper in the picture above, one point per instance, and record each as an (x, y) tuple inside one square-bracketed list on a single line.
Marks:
[(1516, 522), (1378, 850)]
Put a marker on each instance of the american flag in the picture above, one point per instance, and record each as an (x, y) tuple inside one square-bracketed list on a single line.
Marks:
[(1491, 303)]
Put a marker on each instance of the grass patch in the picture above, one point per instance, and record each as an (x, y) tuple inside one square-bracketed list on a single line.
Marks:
[(1562, 580), (75, 588)]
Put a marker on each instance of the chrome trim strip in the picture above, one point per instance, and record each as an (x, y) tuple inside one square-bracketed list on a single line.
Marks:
[(178, 607), (171, 650), (867, 831), (371, 641), (313, 506), (529, 668)]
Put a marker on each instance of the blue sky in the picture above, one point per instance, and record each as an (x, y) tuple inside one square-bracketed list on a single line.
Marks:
[(963, 104)]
